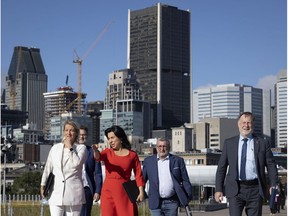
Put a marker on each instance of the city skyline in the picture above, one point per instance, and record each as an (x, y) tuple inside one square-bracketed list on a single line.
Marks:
[(232, 42)]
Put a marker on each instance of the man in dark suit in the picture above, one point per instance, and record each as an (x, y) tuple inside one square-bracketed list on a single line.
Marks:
[(169, 184), (92, 175), (247, 156)]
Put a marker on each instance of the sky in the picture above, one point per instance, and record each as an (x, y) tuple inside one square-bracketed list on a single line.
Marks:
[(232, 41)]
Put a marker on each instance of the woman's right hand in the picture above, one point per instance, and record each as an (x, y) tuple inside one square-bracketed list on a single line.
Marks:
[(42, 191), (96, 152), (95, 147)]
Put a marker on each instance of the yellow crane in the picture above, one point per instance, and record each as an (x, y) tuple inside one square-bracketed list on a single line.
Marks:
[(70, 105), (79, 62)]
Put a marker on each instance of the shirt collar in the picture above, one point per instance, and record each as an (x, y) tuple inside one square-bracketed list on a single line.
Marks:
[(249, 138), (166, 158)]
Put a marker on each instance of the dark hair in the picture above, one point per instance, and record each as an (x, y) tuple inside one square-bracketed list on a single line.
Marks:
[(120, 133), (247, 114), (83, 127)]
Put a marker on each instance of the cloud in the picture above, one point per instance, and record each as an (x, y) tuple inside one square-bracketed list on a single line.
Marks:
[(267, 82), (206, 86)]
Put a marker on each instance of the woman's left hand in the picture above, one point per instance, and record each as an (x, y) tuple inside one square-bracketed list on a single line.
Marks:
[(141, 196)]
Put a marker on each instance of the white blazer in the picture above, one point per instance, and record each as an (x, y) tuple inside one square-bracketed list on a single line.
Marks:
[(67, 167)]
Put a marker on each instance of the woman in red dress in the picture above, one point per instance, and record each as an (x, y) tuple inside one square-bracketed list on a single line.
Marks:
[(119, 161)]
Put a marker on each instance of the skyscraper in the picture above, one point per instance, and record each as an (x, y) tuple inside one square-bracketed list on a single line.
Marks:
[(159, 53), (25, 84), (121, 85), (281, 109), (123, 105)]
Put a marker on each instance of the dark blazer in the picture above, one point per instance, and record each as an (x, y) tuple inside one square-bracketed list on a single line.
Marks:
[(229, 157), (93, 172), (179, 175)]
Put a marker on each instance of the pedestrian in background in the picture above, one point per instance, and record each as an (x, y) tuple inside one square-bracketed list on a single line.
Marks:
[(246, 155), (92, 175), (65, 160), (169, 184), (282, 195), (119, 161)]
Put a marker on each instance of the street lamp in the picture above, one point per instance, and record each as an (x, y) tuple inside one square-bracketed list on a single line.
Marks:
[(4, 149)]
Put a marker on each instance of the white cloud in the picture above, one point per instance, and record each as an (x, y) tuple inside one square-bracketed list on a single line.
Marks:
[(206, 86), (267, 82)]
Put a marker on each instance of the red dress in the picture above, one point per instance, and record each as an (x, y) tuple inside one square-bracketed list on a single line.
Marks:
[(114, 200)]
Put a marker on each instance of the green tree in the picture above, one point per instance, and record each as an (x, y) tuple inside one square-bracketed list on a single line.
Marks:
[(27, 183)]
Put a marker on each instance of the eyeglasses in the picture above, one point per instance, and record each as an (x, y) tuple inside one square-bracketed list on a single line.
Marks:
[(165, 147), (82, 134)]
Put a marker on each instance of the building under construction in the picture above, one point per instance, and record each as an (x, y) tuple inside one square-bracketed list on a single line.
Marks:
[(65, 99)]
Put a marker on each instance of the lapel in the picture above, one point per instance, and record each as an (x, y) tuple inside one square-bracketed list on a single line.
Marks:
[(59, 155), (171, 163), (155, 164), (89, 156), (176, 179), (235, 150), (256, 147)]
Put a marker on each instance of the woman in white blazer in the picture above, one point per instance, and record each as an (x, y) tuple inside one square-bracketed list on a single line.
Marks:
[(65, 161)]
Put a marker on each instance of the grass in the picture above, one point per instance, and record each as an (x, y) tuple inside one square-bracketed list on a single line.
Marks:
[(34, 208)]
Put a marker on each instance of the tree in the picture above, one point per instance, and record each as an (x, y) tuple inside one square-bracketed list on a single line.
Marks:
[(27, 183)]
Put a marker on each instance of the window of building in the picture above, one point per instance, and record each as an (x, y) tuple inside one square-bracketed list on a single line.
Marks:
[(198, 161)]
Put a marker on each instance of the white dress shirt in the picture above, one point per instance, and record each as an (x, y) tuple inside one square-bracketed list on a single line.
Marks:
[(166, 187)]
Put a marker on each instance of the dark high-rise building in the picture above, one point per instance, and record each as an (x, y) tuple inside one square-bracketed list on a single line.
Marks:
[(25, 84), (93, 109), (159, 53)]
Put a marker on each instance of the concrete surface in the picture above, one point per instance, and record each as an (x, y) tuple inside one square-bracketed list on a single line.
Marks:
[(224, 212)]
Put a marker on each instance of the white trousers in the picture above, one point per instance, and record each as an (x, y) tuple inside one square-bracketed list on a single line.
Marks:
[(69, 210)]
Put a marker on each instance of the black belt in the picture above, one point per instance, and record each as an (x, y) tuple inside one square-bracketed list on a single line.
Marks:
[(249, 182), (174, 197)]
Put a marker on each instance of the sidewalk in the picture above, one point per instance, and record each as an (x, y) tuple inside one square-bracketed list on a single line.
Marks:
[(225, 212)]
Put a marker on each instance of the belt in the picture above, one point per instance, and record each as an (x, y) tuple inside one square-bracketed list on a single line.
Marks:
[(174, 197), (249, 182)]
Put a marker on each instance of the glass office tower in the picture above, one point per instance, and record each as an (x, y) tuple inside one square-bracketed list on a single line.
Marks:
[(159, 53)]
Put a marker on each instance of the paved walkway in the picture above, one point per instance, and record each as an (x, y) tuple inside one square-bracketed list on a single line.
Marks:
[(225, 212)]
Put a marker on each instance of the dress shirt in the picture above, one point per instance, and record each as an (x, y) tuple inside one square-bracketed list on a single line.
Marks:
[(250, 160), (166, 187), (85, 182)]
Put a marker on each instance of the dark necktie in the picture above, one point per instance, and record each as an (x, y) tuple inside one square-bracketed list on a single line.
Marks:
[(243, 159)]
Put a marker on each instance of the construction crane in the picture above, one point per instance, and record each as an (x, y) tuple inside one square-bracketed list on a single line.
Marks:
[(67, 78), (79, 62), (70, 105)]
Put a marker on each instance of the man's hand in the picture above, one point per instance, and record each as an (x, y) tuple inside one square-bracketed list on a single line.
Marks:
[(218, 196), (96, 197)]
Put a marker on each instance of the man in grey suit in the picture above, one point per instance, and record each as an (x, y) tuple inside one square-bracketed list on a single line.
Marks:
[(247, 156), (169, 184)]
